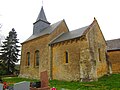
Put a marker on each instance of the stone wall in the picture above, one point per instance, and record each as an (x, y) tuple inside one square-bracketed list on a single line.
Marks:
[(87, 57), (60, 69), (93, 54), (98, 51), (114, 57), (32, 46), (85, 61), (42, 44)]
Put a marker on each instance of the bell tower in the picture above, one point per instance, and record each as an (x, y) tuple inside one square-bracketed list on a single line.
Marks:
[(41, 22)]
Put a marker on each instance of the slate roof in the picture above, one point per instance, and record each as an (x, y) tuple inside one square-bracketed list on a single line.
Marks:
[(41, 22), (70, 35), (45, 31), (42, 15), (113, 44)]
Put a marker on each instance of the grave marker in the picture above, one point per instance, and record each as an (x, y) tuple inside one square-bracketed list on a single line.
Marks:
[(22, 86), (1, 86), (44, 79), (44, 82)]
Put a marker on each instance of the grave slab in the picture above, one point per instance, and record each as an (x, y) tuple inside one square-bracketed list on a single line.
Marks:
[(22, 86)]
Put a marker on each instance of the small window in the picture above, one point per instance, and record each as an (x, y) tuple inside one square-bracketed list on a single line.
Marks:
[(28, 59), (37, 58), (99, 52), (66, 57)]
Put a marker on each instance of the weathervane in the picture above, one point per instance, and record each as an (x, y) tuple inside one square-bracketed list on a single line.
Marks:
[(42, 2)]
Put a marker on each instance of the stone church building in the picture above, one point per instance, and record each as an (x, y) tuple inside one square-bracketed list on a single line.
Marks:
[(76, 55)]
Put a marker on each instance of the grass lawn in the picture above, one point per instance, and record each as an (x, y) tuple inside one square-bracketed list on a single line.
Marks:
[(111, 82), (12, 80)]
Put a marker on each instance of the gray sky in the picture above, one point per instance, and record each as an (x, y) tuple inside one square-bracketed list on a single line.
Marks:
[(21, 14)]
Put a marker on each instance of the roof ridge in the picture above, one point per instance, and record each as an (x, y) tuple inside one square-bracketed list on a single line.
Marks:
[(80, 28)]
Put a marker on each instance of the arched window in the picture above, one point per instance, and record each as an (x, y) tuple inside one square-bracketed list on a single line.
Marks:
[(66, 57), (28, 59), (37, 58)]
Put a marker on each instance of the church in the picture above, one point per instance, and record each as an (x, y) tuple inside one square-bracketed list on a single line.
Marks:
[(77, 55)]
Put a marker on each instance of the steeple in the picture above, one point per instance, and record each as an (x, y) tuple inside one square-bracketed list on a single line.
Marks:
[(42, 15), (41, 22)]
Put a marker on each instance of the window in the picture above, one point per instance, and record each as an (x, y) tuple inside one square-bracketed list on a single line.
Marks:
[(37, 58), (99, 54), (28, 59), (66, 57)]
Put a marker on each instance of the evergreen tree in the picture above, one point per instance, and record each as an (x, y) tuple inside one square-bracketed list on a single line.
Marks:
[(10, 51)]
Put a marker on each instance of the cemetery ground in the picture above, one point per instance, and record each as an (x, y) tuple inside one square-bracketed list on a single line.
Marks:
[(111, 82)]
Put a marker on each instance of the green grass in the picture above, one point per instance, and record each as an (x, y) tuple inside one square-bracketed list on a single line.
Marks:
[(12, 80), (111, 82)]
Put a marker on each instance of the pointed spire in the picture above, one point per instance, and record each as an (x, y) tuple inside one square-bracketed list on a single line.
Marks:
[(41, 22), (41, 15)]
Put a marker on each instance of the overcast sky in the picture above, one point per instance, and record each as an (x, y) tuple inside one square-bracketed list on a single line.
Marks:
[(21, 14)]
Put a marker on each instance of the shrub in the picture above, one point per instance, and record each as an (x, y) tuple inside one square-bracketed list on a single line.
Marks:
[(3, 72)]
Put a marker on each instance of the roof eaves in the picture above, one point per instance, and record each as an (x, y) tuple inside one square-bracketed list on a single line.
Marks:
[(30, 39), (64, 40), (117, 49)]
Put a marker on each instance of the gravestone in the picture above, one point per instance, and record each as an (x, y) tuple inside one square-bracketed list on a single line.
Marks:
[(44, 79), (44, 82), (22, 86), (1, 86)]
